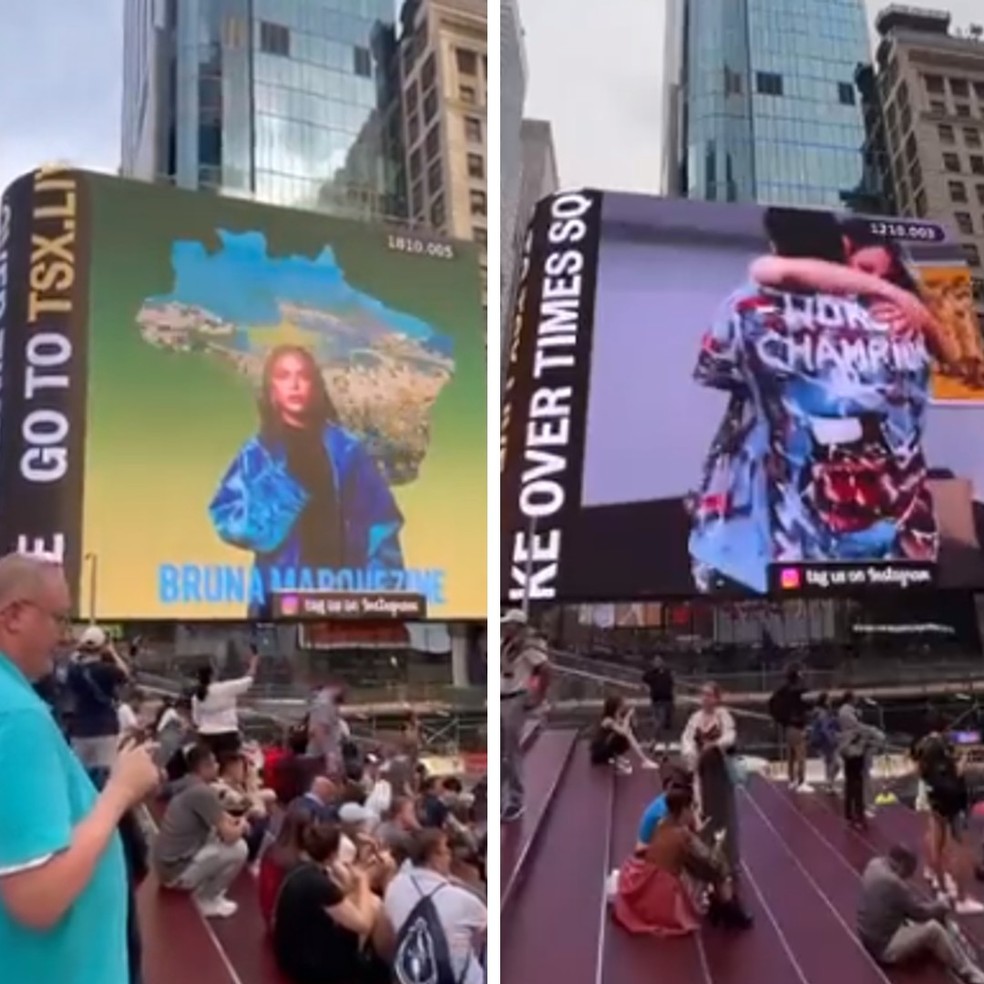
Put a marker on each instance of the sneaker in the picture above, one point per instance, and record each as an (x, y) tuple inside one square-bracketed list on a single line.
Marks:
[(220, 908), (968, 907), (804, 787), (870, 814), (622, 767), (513, 813)]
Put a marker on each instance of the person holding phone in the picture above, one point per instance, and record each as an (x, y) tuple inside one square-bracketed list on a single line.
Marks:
[(63, 876), (614, 738)]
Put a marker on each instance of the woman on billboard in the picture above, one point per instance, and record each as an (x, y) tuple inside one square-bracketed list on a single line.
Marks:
[(826, 355), (304, 494)]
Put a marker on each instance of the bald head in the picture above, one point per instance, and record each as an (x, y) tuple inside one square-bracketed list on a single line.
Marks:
[(35, 608)]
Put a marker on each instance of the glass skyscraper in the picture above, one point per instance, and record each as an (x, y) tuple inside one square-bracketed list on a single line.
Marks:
[(293, 102), (766, 107)]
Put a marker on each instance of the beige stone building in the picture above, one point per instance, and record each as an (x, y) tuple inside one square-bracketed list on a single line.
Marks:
[(931, 91), (443, 80)]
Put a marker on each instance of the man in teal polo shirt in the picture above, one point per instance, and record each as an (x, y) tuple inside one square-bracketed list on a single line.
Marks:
[(63, 881)]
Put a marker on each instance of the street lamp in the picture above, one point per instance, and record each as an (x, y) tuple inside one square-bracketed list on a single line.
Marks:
[(93, 562)]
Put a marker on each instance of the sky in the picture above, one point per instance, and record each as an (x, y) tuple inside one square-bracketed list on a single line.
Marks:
[(64, 60), (607, 121), (63, 66)]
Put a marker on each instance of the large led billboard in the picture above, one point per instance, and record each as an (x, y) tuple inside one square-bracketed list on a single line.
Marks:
[(206, 401), (737, 400)]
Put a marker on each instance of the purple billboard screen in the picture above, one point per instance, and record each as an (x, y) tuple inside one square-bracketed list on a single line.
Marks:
[(739, 400)]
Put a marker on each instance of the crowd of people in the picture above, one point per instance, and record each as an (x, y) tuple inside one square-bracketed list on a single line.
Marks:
[(365, 867), (686, 866), (685, 869)]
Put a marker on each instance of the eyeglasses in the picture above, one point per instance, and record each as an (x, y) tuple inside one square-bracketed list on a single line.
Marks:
[(62, 619)]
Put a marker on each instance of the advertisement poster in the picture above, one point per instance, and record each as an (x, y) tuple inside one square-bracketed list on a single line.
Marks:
[(207, 401), (735, 400)]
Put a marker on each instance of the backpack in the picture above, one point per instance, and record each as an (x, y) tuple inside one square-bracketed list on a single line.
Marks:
[(779, 707), (423, 955)]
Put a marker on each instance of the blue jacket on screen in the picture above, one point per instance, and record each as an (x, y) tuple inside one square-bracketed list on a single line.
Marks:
[(259, 502)]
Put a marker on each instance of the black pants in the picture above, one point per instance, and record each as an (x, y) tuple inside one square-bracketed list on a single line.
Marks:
[(854, 788), (607, 746), (223, 743)]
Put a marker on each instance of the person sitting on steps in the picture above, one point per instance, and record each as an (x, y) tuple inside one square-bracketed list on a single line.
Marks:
[(654, 894), (896, 928), (614, 737)]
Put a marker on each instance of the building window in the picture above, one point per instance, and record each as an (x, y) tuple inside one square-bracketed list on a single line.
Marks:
[(845, 93), (937, 108), (274, 39), (476, 166), (980, 193), (477, 201), (412, 97), (432, 142), (977, 163), (473, 129), (428, 74), (920, 202), (978, 287), (946, 134), (963, 110), (467, 61), (979, 90), (413, 128), (906, 118), (972, 138), (973, 254), (434, 178), (437, 212), (415, 164), (964, 222), (951, 163), (934, 84), (958, 193), (430, 105), (467, 94), (768, 83), (362, 62), (417, 197), (480, 235), (959, 88)]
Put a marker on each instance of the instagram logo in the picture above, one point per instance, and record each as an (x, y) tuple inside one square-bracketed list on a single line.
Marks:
[(789, 579), (289, 605)]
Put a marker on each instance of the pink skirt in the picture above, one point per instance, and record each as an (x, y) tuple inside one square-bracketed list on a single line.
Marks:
[(653, 902)]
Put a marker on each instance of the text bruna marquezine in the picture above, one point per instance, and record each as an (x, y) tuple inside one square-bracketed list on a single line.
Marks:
[(48, 347), (536, 549)]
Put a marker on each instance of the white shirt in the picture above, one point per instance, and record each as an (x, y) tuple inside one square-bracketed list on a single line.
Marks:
[(129, 722), (463, 915), (217, 713), (380, 797), (519, 657)]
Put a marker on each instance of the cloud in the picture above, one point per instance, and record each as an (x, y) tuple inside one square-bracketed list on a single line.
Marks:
[(63, 69), (596, 74)]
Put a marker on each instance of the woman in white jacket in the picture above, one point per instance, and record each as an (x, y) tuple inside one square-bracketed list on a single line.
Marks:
[(707, 743)]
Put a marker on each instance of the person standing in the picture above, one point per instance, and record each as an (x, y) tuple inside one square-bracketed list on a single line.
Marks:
[(659, 679), (824, 735), (215, 708), (707, 743), (856, 742), (789, 710), (95, 677), (325, 730), (524, 668), (63, 876)]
